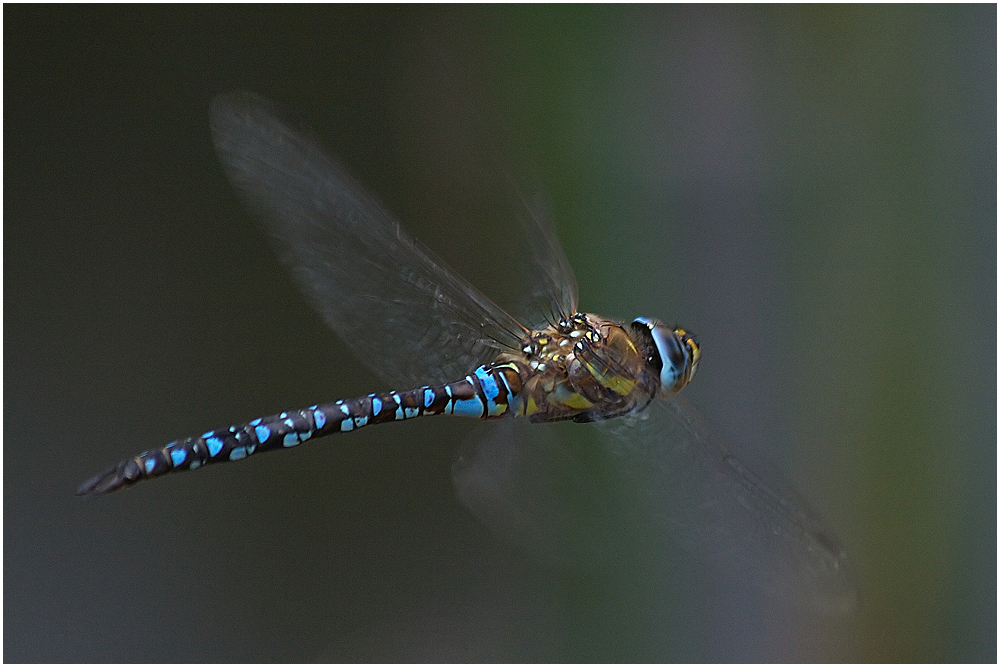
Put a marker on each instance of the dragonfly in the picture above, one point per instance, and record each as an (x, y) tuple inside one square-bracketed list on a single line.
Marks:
[(418, 324)]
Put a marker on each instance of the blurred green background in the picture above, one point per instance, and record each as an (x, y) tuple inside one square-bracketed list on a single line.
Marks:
[(811, 189)]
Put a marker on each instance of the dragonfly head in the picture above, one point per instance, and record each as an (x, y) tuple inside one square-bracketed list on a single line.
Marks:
[(673, 353)]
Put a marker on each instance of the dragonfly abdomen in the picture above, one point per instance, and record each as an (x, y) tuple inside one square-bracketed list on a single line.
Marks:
[(489, 392)]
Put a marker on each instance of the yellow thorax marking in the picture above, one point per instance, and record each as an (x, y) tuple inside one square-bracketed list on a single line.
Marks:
[(619, 384), (622, 386)]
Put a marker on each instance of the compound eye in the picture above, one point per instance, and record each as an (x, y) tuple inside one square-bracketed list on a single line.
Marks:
[(677, 350), (644, 326)]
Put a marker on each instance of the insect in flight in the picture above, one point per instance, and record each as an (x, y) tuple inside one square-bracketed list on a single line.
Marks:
[(417, 323)]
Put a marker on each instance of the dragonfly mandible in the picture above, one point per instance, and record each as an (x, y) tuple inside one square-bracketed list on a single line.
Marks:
[(451, 350)]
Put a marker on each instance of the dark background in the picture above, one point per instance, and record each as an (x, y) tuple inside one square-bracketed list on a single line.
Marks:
[(812, 190)]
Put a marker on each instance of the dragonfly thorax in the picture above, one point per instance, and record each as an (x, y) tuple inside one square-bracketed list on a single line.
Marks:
[(585, 368)]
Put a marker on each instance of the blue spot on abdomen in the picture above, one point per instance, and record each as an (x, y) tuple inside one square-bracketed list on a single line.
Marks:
[(293, 439), (470, 407), (488, 383), (214, 446)]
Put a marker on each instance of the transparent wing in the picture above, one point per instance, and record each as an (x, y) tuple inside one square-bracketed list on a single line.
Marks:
[(396, 305), (643, 491), (550, 291)]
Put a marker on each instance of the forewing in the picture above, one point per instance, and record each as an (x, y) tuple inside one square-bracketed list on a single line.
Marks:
[(757, 529), (397, 306), (642, 491), (551, 291)]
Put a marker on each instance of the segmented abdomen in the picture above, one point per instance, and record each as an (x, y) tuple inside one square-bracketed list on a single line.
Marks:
[(488, 393)]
